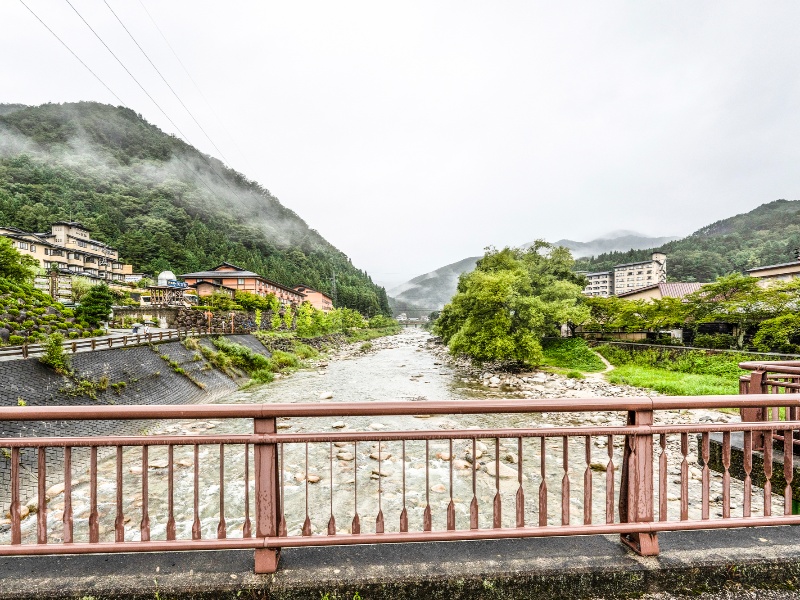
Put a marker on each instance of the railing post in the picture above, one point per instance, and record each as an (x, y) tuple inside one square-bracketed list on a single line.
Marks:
[(25, 350), (754, 415), (636, 485), (268, 506)]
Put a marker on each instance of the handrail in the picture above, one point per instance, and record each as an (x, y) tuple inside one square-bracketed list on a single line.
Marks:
[(395, 408)]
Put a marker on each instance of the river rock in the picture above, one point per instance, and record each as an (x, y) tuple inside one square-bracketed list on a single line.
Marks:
[(376, 426), (23, 512), (381, 456), (55, 490), (504, 471), (598, 466), (346, 456), (460, 464), (326, 395), (339, 425), (313, 478), (443, 456), (439, 488), (159, 464)]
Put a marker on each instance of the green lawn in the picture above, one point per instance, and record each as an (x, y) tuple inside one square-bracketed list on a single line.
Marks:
[(572, 354), (673, 383)]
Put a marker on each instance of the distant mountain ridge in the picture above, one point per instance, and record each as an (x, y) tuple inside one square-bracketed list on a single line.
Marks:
[(431, 291)]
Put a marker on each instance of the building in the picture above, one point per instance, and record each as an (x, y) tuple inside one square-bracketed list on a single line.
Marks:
[(69, 249), (658, 291), (316, 298), (632, 276), (237, 279), (780, 272), (600, 284)]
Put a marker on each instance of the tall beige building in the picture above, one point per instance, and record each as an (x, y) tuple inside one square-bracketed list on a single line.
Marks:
[(69, 248), (632, 276)]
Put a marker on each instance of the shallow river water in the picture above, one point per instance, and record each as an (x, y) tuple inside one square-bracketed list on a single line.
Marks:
[(344, 479)]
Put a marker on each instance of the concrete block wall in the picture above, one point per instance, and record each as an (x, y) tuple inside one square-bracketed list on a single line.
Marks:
[(149, 379)]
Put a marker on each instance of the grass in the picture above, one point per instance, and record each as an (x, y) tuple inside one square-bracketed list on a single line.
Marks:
[(365, 335), (673, 383), (571, 353)]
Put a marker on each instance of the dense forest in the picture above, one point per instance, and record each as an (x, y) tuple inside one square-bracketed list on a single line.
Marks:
[(161, 202), (766, 235)]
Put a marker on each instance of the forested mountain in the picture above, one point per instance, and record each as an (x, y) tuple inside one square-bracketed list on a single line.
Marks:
[(161, 202), (615, 241), (766, 235)]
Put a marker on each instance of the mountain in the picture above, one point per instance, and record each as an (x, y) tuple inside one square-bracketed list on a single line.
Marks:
[(431, 291), (161, 202), (618, 240), (766, 235)]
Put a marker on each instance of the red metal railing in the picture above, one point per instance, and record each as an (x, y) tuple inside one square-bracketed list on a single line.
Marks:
[(776, 378), (268, 490)]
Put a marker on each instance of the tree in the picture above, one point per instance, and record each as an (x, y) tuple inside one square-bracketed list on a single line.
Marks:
[(14, 266), (96, 305), (80, 286), (512, 299)]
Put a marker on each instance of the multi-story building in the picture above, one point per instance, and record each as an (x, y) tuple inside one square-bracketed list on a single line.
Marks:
[(772, 273), (70, 249), (316, 298), (600, 284), (235, 278), (636, 275)]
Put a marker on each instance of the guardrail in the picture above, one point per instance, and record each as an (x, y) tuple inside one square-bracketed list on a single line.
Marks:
[(775, 378), (269, 489), (104, 343)]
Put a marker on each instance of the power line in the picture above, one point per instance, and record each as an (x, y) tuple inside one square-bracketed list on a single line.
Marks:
[(63, 43), (196, 86), (185, 137), (174, 93), (105, 85)]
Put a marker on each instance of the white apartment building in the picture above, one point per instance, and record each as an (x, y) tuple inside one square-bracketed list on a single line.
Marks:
[(69, 248), (600, 284), (632, 276)]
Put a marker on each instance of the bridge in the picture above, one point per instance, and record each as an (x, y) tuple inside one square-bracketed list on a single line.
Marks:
[(321, 486)]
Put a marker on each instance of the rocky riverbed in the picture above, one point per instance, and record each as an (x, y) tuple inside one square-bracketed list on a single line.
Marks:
[(345, 479)]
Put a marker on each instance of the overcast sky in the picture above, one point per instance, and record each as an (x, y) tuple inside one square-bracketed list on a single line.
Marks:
[(413, 134)]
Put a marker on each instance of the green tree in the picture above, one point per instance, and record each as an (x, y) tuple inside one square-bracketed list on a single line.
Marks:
[(13, 265), (96, 305), (513, 298), (80, 286)]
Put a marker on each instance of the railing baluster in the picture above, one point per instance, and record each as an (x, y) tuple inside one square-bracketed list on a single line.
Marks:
[(404, 512), (610, 480), (222, 527), (543, 484), (747, 450), (41, 514), (119, 521), (426, 514), (196, 530), (331, 520), (685, 477), (473, 505), (16, 533), (247, 527), (67, 518), (451, 507), (307, 522), (565, 482), (788, 468), (520, 500), (269, 507), (355, 528), (768, 473), (379, 518), (726, 476), (170, 492), (497, 507), (662, 478), (587, 482), (144, 526), (94, 524)]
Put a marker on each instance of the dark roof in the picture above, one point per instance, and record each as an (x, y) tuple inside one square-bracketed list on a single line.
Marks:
[(789, 264), (211, 283), (220, 274), (668, 290), (71, 224)]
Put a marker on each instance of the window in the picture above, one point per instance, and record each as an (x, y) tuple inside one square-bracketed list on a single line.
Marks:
[(33, 248), (241, 281), (23, 246)]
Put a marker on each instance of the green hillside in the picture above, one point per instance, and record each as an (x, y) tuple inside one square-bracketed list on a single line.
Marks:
[(161, 202), (766, 235)]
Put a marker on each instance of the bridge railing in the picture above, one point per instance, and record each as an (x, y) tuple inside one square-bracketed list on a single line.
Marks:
[(113, 341), (777, 378), (325, 483)]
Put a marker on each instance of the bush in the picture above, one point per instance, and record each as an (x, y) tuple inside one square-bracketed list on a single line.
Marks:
[(571, 353), (284, 359), (54, 355), (717, 341), (16, 340), (262, 376)]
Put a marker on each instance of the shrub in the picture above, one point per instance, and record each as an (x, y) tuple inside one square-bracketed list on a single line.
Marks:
[(305, 351), (571, 353), (284, 359), (54, 355), (262, 376), (16, 340), (718, 341)]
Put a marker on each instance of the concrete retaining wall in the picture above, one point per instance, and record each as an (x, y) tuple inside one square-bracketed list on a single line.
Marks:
[(148, 379)]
